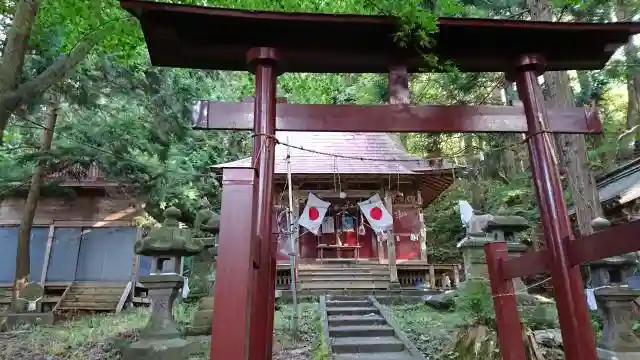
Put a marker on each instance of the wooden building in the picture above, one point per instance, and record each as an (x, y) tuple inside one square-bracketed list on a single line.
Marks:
[(81, 245), (344, 169)]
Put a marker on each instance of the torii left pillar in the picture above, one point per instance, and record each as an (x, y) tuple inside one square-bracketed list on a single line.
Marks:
[(250, 337)]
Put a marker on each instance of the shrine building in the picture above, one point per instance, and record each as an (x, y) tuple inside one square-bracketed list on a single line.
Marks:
[(343, 169)]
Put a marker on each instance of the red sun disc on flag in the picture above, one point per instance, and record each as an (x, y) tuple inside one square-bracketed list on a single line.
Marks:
[(314, 214), (375, 213)]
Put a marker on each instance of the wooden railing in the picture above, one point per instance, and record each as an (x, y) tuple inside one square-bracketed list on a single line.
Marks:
[(79, 173)]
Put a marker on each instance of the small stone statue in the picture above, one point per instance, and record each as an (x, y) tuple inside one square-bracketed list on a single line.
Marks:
[(207, 222)]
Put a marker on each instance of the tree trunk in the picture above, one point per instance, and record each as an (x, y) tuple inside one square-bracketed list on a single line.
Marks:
[(624, 12), (572, 148), (12, 93), (26, 223), (15, 50)]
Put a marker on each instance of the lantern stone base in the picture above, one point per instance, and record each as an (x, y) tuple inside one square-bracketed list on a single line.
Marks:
[(160, 349), (14, 320), (604, 354)]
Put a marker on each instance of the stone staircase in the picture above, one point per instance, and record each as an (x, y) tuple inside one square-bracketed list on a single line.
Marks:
[(343, 276), (357, 328)]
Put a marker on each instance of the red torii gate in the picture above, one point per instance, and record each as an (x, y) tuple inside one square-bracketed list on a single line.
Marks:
[(271, 43)]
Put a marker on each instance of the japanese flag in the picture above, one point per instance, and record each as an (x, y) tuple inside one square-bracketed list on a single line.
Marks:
[(313, 214), (378, 216)]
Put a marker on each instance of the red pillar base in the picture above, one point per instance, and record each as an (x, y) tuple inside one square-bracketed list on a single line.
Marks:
[(234, 269), (504, 301), (262, 61)]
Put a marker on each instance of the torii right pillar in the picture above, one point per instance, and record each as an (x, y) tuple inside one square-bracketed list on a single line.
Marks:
[(577, 334)]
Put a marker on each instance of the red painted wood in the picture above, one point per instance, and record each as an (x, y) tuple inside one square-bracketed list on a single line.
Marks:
[(528, 264), (577, 334), (189, 36), (214, 115), (261, 336), (616, 240), (407, 249), (613, 241), (231, 313), (504, 302)]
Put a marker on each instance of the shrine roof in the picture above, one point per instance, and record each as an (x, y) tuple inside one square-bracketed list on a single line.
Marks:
[(359, 152), (189, 36), (621, 184)]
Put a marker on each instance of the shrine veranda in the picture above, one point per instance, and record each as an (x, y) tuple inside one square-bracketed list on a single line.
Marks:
[(269, 44)]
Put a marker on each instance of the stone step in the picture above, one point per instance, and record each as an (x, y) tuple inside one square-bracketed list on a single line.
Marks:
[(348, 303), (376, 356), (346, 294), (375, 344), (341, 271), (341, 277), (354, 320), (352, 310), (344, 285), (360, 331), (338, 297)]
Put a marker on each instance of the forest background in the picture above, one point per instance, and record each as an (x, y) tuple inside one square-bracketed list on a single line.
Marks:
[(76, 88)]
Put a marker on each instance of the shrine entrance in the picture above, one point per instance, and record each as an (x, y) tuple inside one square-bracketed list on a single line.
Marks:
[(210, 38)]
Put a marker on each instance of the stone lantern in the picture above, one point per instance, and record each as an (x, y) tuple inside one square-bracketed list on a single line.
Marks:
[(207, 224), (487, 228), (612, 271), (615, 304), (166, 245)]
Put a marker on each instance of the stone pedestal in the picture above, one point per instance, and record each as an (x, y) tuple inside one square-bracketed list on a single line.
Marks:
[(203, 266), (160, 339), (202, 318), (475, 263), (16, 320), (615, 305)]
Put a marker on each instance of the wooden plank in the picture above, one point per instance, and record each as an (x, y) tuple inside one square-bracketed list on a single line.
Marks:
[(72, 223), (613, 241), (304, 194), (396, 118), (47, 255), (89, 306), (124, 297), (64, 294), (526, 265)]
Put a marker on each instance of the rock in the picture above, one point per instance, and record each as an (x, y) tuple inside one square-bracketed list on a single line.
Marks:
[(443, 301), (551, 338)]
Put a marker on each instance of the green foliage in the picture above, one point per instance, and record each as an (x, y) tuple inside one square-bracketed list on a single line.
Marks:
[(431, 331), (475, 302)]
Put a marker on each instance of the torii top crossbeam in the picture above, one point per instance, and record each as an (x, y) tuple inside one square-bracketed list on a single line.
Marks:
[(214, 38)]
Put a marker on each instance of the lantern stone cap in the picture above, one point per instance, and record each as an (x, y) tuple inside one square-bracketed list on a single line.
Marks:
[(169, 239), (478, 242), (617, 291), (511, 223), (600, 223), (626, 259), (161, 278)]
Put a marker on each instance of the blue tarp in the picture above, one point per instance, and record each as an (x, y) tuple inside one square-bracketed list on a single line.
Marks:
[(87, 254)]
